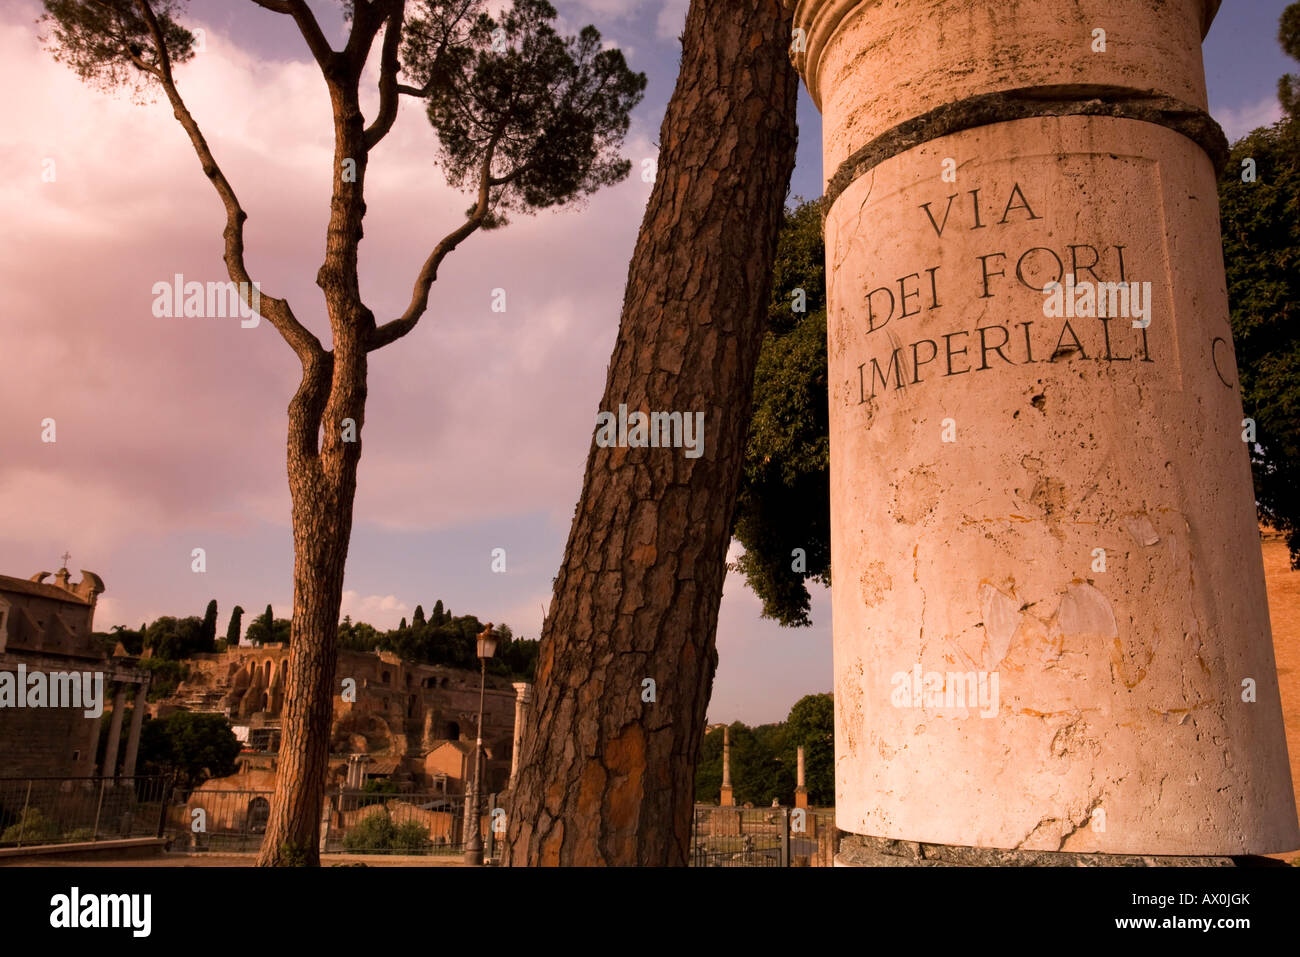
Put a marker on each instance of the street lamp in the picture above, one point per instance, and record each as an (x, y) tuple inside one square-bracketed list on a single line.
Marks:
[(487, 647)]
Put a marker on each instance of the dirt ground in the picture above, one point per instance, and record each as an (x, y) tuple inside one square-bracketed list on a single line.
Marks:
[(1284, 610)]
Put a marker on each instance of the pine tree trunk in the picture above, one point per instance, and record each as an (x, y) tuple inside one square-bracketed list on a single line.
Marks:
[(607, 777), (331, 401), (323, 487)]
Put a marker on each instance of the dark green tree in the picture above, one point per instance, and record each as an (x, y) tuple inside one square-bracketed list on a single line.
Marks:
[(210, 626), (438, 616), (235, 627), (175, 638), (266, 629), (760, 770), (417, 620), (1288, 34), (811, 723), (782, 516), (132, 640), (1260, 217), (196, 745)]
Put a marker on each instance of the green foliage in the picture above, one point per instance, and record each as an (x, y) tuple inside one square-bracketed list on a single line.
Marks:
[(177, 638), (377, 834), (784, 502), (444, 640), (1288, 34), (293, 855), (196, 745), (267, 629), (165, 676), (132, 641), (235, 626), (764, 761), (1261, 251), (109, 43), (32, 827), (210, 624), (555, 109), (811, 723), (759, 769)]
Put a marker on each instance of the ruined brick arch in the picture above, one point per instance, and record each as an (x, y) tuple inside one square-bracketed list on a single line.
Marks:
[(259, 810)]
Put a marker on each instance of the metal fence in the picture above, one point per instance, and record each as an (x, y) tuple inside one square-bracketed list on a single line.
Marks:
[(361, 822), (763, 837), (36, 811), (75, 810), (352, 822)]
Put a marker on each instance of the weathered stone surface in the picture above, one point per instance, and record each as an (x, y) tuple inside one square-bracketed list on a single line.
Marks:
[(1048, 587), (864, 851)]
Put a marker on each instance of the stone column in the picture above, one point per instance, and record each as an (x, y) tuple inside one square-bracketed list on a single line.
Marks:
[(133, 736), (726, 799), (523, 698), (115, 732), (92, 743), (1050, 623), (800, 790)]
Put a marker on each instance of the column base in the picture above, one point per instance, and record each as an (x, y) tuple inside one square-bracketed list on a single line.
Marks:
[(861, 850)]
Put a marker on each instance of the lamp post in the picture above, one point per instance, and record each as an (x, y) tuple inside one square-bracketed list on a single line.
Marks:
[(487, 646)]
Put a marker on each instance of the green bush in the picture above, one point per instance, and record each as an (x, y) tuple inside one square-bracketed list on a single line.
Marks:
[(373, 833), (33, 827), (377, 834), (412, 837)]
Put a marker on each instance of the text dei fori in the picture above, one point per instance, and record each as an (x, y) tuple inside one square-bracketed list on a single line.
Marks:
[(1085, 307)]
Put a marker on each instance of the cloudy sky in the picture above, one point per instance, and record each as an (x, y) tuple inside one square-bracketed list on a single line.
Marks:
[(170, 432)]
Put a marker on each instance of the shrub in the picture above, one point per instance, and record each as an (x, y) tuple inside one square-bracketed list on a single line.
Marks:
[(33, 827), (373, 833)]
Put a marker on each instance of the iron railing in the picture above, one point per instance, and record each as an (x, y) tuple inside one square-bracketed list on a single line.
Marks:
[(763, 837), (81, 810)]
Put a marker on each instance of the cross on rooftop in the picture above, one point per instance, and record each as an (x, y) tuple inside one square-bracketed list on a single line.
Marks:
[(66, 556)]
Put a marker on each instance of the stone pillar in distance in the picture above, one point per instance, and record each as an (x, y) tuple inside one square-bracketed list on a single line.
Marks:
[(726, 799), (137, 720), (114, 732), (800, 790), (1051, 631), (523, 698)]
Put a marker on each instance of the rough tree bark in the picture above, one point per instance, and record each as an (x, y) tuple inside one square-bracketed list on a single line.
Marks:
[(606, 777), (322, 469)]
